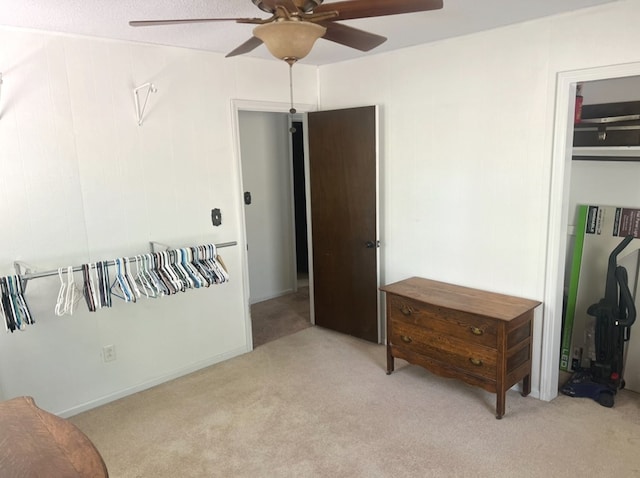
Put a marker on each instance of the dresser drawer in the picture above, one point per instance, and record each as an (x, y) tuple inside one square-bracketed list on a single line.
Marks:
[(472, 358), (468, 327)]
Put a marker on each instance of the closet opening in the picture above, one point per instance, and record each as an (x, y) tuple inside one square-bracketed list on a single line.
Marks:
[(563, 198), (604, 204)]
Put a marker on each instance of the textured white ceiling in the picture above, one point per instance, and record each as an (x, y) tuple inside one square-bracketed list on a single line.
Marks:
[(109, 19)]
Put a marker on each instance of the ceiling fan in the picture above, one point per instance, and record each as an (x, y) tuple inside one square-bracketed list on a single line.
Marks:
[(294, 25)]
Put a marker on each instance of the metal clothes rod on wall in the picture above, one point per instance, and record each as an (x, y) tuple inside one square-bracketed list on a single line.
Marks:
[(36, 275)]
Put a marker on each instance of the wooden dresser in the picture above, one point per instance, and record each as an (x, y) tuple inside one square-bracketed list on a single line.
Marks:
[(480, 337)]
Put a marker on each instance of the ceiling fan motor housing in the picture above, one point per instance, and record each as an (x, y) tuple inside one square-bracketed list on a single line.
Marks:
[(304, 5)]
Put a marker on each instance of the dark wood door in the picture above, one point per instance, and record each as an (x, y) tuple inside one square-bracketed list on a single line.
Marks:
[(343, 184)]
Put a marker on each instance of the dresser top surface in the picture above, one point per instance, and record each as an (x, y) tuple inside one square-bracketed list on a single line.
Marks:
[(475, 301)]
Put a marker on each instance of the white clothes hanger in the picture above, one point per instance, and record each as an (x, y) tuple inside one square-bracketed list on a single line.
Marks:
[(149, 279), (72, 294), (95, 285), (139, 279), (121, 282), (133, 286), (60, 307)]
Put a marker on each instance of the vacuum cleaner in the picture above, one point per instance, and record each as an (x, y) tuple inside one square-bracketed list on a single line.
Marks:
[(614, 315)]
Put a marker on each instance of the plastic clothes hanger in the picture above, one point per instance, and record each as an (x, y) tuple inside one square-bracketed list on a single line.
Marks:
[(60, 308), (185, 260), (163, 274), (10, 321), (105, 283), (210, 267), (139, 280), (89, 295), (95, 285), (178, 275), (185, 276), (119, 284), (188, 275), (166, 268), (72, 294), (219, 271), (150, 277), (200, 266), (131, 283), (3, 312), (217, 260), (154, 273), (22, 303), (17, 313)]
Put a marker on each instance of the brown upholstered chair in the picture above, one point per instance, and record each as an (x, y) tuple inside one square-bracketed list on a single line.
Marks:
[(36, 443)]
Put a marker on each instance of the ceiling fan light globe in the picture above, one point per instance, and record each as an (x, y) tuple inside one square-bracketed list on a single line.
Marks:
[(289, 40)]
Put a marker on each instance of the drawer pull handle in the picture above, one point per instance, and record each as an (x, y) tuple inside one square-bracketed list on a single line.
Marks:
[(405, 339), (476, 331), (476, 362), (405, 310)]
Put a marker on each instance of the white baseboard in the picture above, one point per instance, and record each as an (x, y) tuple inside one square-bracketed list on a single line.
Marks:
[(151, 383)]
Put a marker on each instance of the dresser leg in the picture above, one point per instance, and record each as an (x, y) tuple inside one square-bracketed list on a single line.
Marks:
[(526, 386), (390, 361), (500, 400)]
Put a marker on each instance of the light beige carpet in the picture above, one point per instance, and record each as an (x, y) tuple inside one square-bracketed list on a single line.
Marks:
[(275, 318), (319, 404)]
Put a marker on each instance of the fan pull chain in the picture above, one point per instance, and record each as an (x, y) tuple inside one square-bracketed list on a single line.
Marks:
[(292, 110)]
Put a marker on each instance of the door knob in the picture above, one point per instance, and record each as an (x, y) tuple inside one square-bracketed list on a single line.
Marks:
[(372, 244)]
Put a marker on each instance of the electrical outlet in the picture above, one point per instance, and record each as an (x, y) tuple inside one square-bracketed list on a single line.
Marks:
[(109, 353)]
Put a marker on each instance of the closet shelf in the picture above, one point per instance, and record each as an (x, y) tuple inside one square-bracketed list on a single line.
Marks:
[(606, 153)]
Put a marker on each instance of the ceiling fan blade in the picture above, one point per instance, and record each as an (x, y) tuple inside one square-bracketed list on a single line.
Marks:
[(150, 23), (250, 45), (352, 9), (351, 37)]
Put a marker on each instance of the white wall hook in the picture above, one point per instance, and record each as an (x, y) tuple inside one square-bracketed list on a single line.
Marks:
[(140, 110)]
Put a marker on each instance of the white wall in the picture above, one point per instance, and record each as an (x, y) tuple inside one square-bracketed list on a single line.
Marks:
[(467, 128), (466, 143), (80, 181), (267, 174)]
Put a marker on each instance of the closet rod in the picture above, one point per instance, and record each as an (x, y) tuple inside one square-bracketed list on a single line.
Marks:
[(37, 275)]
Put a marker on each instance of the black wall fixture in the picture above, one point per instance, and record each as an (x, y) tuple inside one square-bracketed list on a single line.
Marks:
[(216, 217)]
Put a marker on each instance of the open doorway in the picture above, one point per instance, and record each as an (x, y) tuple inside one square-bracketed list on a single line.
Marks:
[(345, 241), (273, 176)]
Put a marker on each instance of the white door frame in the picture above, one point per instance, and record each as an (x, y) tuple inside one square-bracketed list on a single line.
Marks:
[(558, 215), (269, 107)]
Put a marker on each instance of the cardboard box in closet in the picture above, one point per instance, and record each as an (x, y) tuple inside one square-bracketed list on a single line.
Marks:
[(598, 231)]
